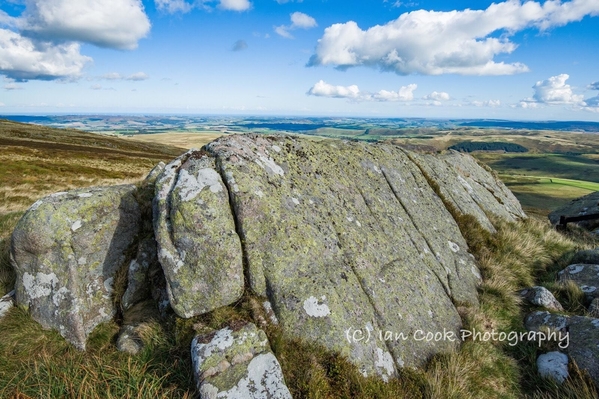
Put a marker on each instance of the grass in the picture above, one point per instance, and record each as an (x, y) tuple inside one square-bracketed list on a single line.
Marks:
[(37, 363)]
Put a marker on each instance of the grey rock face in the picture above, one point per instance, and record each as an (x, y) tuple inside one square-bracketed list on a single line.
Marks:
[(198, 248), (6, 303), (237, 363), (347, 236), (585, 276), (66, 250), (541, 296), (470, 188), (583, 349), (553, 365)]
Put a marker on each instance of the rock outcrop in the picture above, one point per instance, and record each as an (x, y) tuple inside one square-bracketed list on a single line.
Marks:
[(541, 296), (585, 276), (66, 250), (237, 363), (586, 205), (343, 239)]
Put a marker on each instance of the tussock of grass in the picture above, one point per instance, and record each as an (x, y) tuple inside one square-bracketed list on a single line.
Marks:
[(40, 363)]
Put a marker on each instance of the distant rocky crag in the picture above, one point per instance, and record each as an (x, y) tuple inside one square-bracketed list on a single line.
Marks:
[(334, 237)]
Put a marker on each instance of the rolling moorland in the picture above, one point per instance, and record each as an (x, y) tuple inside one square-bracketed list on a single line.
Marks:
[(558, 166)]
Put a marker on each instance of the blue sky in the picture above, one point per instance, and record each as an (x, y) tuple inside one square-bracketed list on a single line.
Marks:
[(458, 59)]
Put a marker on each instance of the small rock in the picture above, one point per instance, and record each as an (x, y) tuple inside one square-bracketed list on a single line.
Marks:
[(553, 365), (541, 296), (129, 341), (237, 363), (584, 275), (6, 302)]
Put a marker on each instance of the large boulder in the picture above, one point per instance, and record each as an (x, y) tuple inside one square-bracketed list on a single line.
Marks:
[(237, 363), (66, 250), (198, 247)]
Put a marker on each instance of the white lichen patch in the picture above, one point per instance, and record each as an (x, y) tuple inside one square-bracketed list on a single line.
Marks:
[(466, 185), (191, 186), (40, 285), (76, 226), (315, 309), (588, 289), (376, 169), (384, 364), (60, 295), (58, 194), (453, 246), (475, 271), (259, 193), (295, 201), (574, 269), (81, 261), (276, 148), (269, 163), (358, 223), (221, 341), (85, 195)]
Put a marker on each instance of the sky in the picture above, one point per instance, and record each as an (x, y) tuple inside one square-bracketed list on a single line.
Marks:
[(521, 60)]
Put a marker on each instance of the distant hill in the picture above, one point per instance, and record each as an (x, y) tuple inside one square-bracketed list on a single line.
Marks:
[(37, 160), (572, 126), (469, 146)]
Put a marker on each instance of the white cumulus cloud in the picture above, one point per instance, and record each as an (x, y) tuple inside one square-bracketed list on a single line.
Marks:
[(405, 93), (433, 43), (235, 5), (555, 91), (299, 20), (437, 96), (352, 92), (22, 58), (323, 89), (106, 23)]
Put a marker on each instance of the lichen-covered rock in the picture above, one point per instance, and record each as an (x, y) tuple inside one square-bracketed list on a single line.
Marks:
[(66, 250), (6, 303), (237, 363), (586, 205), (583, 349), (585, 276), (348, 237), (546, 322), (587, 256), (541, 296), (470, 188), (198, 248), (553, 365)]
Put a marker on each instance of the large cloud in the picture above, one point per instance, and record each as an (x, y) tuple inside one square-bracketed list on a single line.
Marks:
[(323, 89), (44, 42), (106, 23), (235, 5), (555, 91), (433, 43), (437, 96), (22, 58)]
